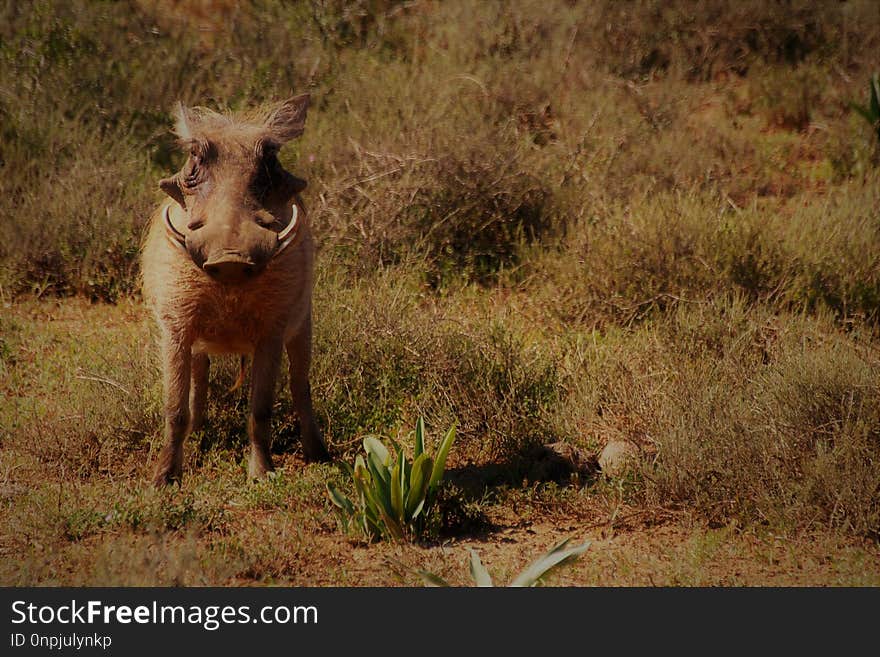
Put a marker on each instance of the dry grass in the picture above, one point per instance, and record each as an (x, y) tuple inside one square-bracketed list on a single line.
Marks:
[(569, 224)]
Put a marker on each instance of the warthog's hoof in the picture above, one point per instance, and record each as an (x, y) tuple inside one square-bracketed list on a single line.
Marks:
[(315, 451), (166, 477), (259, 465), (169, 468)]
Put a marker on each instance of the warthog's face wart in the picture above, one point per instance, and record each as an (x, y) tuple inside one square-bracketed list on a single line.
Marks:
[(237, 200)]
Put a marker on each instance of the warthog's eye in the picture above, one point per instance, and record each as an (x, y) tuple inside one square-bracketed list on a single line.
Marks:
[(194, 171), (192, 174), (266, 174), (267, 170)]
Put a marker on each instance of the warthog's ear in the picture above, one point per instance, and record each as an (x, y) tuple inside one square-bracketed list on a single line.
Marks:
[(171, 186), (183, 123), (183, 130), (288, 120)]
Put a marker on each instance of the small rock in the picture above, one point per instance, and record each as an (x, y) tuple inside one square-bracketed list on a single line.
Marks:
[(617, 455)]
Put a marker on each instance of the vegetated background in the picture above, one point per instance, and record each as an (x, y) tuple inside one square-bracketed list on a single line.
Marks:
[(555, 223)]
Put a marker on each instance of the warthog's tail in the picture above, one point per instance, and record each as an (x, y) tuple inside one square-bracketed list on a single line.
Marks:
[(240, 379)]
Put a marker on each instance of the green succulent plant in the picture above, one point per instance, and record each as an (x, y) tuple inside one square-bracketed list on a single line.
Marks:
[(871, 113), (559, 555), (394, 494)]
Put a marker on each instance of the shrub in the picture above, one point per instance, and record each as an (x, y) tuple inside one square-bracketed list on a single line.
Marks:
[(394, 495)]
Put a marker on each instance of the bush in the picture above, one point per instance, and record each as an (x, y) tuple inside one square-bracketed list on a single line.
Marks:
[(395, 496), (742, 414)]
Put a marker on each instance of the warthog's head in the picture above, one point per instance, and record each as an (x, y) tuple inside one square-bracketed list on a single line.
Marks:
[(238, 199)]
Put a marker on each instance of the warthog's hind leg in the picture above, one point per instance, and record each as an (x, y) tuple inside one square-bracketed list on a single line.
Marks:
[(176, 367), (299, 353)]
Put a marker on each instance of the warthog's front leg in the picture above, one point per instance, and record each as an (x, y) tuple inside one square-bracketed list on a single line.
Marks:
[(267, 357), (198, 397), (299, 354), (176, 360)]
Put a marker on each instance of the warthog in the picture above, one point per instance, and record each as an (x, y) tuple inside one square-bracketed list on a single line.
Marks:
[(227, 269)]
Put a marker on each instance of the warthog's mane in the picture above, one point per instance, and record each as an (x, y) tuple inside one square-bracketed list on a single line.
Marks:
[(269, 124)]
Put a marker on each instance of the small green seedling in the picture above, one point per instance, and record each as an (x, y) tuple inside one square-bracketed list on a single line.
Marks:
[(394, 494), (556, 557)]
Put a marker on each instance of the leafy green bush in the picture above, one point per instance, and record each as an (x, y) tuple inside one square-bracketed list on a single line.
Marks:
[(558, 556), (394, 494)]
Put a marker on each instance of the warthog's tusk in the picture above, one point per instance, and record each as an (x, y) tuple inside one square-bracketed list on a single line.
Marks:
[(177, 238), (286, 236)]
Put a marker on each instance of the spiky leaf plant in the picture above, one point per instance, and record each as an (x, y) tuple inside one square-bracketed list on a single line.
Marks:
[(871, 113), (394, 494), (559, 555)]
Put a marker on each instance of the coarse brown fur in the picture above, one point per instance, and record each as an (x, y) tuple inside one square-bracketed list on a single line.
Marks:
[(258, 313)]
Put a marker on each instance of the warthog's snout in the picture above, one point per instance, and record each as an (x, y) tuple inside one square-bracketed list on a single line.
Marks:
[(230, 268), (234, 252)]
